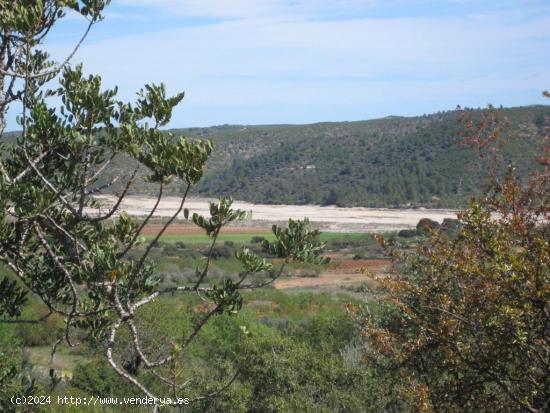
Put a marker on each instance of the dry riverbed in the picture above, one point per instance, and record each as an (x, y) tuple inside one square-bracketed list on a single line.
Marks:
[(330, 218)]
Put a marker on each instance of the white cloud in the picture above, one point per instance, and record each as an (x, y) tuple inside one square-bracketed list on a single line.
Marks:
[(251, 8), (269, 65), (351, 48)]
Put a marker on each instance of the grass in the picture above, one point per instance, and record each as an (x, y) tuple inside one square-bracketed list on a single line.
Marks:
[(329, 236), (246, 237), (64, 363), (298, 306), (228, 265), (203, 239)]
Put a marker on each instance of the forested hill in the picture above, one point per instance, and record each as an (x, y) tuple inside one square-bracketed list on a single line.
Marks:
[(389, 162)]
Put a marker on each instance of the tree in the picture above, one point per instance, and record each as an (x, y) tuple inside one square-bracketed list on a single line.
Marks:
[(465, 320), (60, 246)]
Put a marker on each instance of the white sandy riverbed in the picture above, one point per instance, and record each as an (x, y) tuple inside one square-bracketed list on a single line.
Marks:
[(328, 218)]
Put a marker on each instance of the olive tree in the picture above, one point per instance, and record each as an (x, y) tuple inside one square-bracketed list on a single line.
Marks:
[(59, 246)]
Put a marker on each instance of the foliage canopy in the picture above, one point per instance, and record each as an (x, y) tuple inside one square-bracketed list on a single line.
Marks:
[(466, 320), (64, 248)]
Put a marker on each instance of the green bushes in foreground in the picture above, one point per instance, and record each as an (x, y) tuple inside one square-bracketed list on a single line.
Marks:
[(289, 353)]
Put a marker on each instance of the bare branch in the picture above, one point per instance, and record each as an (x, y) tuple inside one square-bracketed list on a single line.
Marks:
[(119, 200), (68, 277), (100, 170), (145, 221), (55, 69), (208, 259), (114, 365), (27, 321), (50, 186), (261, 285), (155, 240), (24, 173), (156, 294), (103, 187)]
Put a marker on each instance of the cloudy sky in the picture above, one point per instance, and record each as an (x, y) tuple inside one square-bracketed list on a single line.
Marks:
[(300, 61)]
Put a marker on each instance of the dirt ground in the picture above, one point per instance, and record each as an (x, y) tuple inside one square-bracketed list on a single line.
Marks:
[(330, 218), (190, 229), (347, 272)]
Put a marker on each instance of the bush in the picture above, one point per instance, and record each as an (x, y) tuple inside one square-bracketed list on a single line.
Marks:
[(408, 233), (426, 225), (465, 320), (14, 377), (451, 225), (180, 245), (256, 239), (223, 251), (97, 378), (307, 272), (171, 250)]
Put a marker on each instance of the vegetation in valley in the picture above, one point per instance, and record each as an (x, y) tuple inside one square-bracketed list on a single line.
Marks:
[(294, 350), (92, 276), (453, 316), (390, 162), (465, 319)]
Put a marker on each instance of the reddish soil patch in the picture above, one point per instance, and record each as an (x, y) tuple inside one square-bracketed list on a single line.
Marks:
[(345, 273), (329, 278), (371, 264), (189, 229)]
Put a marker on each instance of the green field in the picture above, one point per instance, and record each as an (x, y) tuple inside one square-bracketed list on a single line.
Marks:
[(246, 237)]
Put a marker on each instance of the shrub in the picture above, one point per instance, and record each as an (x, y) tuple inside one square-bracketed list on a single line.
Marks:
[(180, 245), (425, 225), (408, 233), (451, 226), (222, 251), (465, 321)]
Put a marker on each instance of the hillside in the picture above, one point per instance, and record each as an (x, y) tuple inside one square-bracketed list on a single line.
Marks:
[(394, 161), (389, 162)]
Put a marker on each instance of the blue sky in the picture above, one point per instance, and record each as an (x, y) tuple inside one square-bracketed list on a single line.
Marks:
[(301, 61)]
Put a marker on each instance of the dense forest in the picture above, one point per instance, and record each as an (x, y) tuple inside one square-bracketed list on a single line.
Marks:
[(390, 162)]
